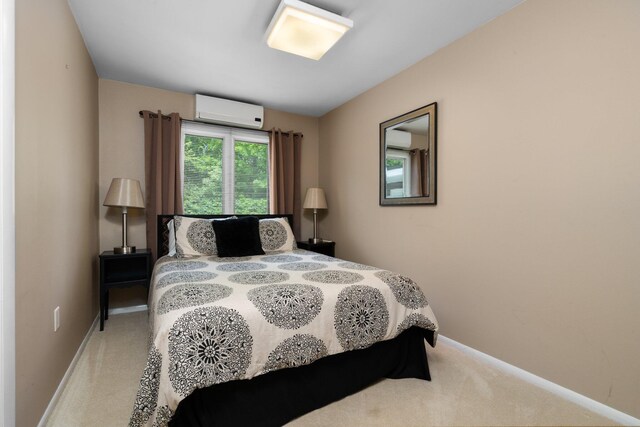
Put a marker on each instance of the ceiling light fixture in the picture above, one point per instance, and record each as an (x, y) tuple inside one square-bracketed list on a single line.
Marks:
[(305, 30)]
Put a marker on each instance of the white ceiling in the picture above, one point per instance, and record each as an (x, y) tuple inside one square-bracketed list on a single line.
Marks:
[(218, 47)]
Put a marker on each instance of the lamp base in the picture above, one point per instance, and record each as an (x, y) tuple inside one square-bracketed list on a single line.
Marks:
[(124, 250), (315, 240)]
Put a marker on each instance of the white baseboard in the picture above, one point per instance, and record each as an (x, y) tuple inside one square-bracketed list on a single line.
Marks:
[(125, 310), (67, 375), (570, 395)]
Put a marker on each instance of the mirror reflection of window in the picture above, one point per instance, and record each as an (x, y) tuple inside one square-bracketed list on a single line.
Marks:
[(398, 173)]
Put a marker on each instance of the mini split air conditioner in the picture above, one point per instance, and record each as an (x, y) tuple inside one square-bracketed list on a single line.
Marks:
[(398, 138), (225, 111)]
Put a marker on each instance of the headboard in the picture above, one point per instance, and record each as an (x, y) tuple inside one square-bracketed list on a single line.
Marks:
[(163, 231)]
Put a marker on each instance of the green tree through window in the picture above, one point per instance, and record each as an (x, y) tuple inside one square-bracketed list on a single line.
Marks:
[(202, 175), (251, 192), (225, 154)]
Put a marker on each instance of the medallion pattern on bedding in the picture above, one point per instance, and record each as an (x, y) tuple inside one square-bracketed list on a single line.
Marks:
[(288, 306), (163, 417), (355, 266), (405, 290), (361, 317), (209, 345), (258, 277), (195, 236), (324, 258), (281, 258), (299, 350), (181, 266), (191, 295), (201, 237), (276, 235), (214, 321), (334, 276), (242, 266), (302, 266), (185, 276), (147, 396), (231, 259), (415, 319)]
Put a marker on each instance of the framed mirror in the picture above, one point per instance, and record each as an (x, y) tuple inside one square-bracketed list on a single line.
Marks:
[(408, 158)]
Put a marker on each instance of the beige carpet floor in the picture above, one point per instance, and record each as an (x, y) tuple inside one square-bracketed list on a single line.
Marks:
[(463, 391)]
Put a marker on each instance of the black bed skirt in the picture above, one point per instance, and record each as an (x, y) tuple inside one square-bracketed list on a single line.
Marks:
[(276, 398)]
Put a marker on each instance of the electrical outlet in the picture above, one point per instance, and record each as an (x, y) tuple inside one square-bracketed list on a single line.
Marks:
[(56, 319)]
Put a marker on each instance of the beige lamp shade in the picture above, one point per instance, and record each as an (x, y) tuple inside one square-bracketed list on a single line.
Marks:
[(124, 192), (315, 199)]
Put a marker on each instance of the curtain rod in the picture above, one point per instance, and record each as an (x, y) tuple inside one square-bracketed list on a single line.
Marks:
[(408, 150), (155, 115)]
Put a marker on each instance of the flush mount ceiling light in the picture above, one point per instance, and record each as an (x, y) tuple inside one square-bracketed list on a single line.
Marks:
[(305, 30)]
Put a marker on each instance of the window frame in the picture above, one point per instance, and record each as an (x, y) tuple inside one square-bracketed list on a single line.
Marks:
[(405, 156), (229, 136)]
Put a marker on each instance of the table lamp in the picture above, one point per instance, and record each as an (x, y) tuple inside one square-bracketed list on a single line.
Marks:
[(125, 193), (315, 200)]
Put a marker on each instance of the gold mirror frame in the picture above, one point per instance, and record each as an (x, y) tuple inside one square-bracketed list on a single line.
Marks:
[(424, 190)]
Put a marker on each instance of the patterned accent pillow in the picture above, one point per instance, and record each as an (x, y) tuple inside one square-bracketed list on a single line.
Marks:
[(195, 236), (276, 235)]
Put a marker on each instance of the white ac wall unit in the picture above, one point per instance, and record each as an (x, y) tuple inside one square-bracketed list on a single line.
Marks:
[(227, 112), (398, 138)]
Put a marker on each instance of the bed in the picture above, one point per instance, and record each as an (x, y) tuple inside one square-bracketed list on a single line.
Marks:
[(263, 339)]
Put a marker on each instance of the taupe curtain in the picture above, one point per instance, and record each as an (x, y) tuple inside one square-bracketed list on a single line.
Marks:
[(284, 175), (425, 172), (163, 186), (419, 173), (416, 181)]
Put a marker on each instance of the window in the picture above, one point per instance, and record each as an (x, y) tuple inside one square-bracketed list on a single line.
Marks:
[(225, 170), (398, 165)]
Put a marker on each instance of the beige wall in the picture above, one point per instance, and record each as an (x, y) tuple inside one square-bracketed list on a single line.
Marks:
[(531, 254), (56, 199), (122, 155)]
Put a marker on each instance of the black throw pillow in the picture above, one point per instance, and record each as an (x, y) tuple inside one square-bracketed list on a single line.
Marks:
[(238, 237)]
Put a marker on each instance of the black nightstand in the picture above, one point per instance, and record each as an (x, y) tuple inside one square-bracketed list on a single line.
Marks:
[(122, 271), (326, 247)]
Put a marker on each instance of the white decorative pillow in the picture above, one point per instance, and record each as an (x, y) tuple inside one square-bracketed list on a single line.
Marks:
[(172, 238), (276, 235), (195, 236)]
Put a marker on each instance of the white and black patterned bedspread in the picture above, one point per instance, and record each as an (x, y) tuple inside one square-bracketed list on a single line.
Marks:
[(220, 319)]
